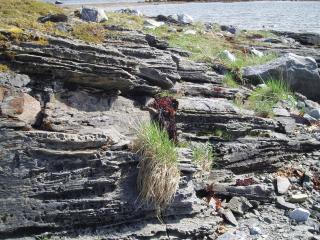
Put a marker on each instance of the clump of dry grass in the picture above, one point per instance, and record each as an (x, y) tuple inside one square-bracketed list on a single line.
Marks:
[(202, 156), (158, 177)]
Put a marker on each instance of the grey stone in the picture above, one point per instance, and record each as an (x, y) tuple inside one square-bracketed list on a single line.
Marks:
[(152, 24), (228, 215), (253, 192), (301, 105), (229, 28), (255, 230), (93, 15), (281, 203), (228, 236), (283, 185), (303, 38), (13, 79), (309, 118), (229, 56), (298, 198), (300, 73), (299, 215), (281, 112), (315, 113), (185, 19), (239, 205), (129, 11), (59, 17), (19, 106), (256, 52)]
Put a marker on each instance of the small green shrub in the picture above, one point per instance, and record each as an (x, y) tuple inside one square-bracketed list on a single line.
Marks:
[(159, 175), (262, 100), (203, 156)]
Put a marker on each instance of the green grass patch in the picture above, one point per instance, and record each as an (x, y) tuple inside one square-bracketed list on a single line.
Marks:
[(204, 46), (229, 80), (159, 175), (245, 60), (263, 99), (203, 156)]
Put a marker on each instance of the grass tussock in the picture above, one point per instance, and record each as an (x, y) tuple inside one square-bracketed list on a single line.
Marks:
[(202, 156), (159, 175), (263, 99)]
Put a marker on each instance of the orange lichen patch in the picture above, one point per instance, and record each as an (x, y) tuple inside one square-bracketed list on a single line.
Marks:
[(290, 172)]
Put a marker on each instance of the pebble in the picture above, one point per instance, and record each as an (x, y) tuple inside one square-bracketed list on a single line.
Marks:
[(298, 198), (315, 113), (299, 215), (255, 230), (281, 203), (229, 56), (283, 184), (230, 217), (239, 205), (267, 220), (228, 236)]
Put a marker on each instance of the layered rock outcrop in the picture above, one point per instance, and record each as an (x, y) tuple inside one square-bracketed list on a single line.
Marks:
[(67, 168)]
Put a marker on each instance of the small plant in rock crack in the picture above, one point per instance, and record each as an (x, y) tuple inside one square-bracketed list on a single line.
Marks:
[(167, 108), (158, 176), (203, 156)]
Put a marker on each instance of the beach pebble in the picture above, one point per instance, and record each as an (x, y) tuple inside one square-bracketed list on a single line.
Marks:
[(299, 215)]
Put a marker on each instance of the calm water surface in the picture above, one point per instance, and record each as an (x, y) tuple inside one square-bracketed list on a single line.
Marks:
[(288, 16)]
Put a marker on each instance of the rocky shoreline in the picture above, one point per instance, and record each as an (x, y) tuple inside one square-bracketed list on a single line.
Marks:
[(69, 110)]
